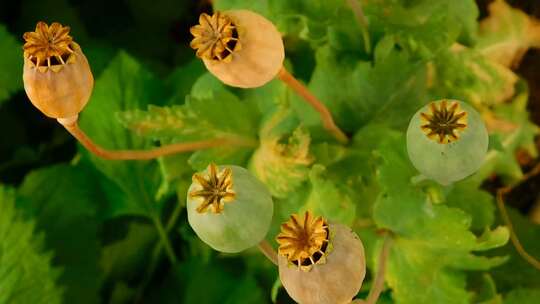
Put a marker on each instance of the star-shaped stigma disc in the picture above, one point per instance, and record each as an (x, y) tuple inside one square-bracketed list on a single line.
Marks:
[(304, 240), (215, 37), (444, 123), (213, 189), (48, 46)]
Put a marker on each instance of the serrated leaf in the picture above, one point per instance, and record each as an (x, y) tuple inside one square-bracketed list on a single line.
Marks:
[(480, 205), (520, 133), (282, 160), (507, 33), (196, 120), (433, 241), (64, 200), (26, 274), (466, 74), (124, 85), (366, 93), (329, 199), (424, 27), (201, 119), (11, 62)]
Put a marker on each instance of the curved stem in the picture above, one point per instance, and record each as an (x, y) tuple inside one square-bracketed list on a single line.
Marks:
[(268, 251), (378, 284), (157, 253), (326, 116), (513, 236), (73, 128)]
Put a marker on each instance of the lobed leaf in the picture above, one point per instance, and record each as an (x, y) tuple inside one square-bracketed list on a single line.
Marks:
[(507, 33), (26, 274)]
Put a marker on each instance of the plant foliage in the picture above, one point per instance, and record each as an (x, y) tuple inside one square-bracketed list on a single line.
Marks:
[(75, 228)]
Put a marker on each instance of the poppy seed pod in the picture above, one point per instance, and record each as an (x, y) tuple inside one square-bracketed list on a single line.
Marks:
[(228, 208), (447, 140), (320, 262), (241, 48), (56, 74)]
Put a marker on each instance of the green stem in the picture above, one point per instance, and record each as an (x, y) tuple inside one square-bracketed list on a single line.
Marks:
[(356, 7), (164, 239), (157, 251)]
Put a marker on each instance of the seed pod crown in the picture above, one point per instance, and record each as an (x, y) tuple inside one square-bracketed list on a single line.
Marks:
[(304, 240), (49, 47)]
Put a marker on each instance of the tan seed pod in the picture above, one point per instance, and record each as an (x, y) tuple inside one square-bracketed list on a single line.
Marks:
[(319, 268), (56, 74), (241, 48)]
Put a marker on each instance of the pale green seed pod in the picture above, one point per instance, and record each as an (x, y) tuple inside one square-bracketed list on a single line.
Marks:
[(447, 141), (320, 262), (228, 208)]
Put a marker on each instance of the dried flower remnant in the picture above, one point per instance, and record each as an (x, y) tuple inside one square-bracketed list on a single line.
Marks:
[(49, 47), (304, 241), (215, 37), (444, 123), (214, 189)]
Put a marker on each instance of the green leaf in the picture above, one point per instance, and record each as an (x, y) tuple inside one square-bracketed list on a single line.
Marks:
[(366, 93), (201, 119), (520, 133), (282, 160), (182, 79), (518, 272), (330, 199), (11, 62), (507, 33), (196, 120), (480, 205), (124, 258), (196, 282), (26, 274), (124, 85), (64, 200), (211, 284), (433, 242), (465, 74), (523, 296), (259, 6), (424, 27)]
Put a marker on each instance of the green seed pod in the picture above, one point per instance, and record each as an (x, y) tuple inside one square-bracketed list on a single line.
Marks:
[(447, 141), (228, 208), (56, 74), (320, 262), (241, 48)]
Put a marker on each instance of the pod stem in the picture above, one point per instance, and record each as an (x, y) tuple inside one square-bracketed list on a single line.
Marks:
[(268, 251), (324, 113), (506, 218), (356, 8), (72, 127), (164, 239), (378, 284)]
